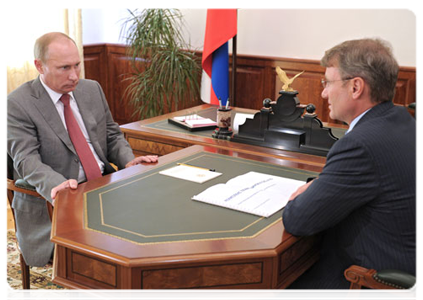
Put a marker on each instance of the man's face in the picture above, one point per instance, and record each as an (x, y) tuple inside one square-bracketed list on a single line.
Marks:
[(337, 94), (62, 67)]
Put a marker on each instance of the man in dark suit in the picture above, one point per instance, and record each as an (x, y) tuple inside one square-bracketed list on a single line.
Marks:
[(43, 152), (363, 203)]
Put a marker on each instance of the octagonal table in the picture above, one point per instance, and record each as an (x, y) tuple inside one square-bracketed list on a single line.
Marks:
[(138, 229)]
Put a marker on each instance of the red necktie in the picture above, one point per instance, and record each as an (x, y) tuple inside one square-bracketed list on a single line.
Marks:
[(86, 156)]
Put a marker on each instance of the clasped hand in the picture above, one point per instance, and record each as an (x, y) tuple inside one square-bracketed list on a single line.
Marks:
[(300, 190)]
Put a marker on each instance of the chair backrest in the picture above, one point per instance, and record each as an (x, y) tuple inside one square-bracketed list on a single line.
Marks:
[(9, 167), (9, 180)]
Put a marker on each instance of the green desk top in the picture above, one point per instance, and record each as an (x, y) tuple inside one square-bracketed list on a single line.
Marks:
[(153, 208)]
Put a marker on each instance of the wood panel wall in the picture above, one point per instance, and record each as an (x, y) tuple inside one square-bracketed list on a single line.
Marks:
[(256, 78)]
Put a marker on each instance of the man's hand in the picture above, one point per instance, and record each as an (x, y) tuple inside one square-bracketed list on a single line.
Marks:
[(300, 190), (71, 183), (140, 159)]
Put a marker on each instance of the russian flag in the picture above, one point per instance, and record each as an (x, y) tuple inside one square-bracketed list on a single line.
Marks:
[(221, 26)]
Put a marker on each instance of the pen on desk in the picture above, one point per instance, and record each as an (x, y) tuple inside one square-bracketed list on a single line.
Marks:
[(187, 165), (227, 104)]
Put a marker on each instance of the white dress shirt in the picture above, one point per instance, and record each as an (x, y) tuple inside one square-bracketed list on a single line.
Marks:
[(55, 97)]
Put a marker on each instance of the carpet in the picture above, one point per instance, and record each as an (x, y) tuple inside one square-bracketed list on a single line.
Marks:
[(40, 278)]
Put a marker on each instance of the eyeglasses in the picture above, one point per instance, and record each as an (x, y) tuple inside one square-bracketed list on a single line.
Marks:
[(326, 82)]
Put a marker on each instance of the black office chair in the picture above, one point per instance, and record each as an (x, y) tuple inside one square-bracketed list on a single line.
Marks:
[(372, 279), (22, 186)]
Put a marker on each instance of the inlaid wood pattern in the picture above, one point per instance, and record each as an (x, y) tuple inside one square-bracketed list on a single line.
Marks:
[(142, 147), (94, 269), (203, 276)]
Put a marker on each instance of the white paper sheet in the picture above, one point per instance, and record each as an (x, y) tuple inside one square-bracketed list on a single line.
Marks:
[(196, 120), (191, 173), (254, 193)]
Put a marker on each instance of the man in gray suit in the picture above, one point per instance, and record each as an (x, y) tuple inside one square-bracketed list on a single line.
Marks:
[(40, 146), (364, 202)]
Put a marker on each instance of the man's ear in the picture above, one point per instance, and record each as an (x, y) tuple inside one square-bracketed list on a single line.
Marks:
[(39, 65), (357, 87)]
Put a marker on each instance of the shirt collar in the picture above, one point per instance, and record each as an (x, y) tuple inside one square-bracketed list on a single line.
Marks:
[(55, 96), (355, 121)]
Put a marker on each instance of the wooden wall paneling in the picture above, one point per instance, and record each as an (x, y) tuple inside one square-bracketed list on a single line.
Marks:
[(109, 65), (96, 68), (121, 64), (256, 80), (250, 88), (405, 93)]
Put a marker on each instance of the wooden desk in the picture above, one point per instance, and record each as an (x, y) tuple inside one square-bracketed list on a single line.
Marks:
[(88, 258), (154, 136)]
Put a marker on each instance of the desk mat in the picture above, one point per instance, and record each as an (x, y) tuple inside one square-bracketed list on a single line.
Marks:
[(153, 208)]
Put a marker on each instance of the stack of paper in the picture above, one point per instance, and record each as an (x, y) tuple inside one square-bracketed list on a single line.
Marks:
[(196, 121), (254, 193)]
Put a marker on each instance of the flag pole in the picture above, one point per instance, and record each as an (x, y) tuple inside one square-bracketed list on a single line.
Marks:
[(234, 54), (233, 91)]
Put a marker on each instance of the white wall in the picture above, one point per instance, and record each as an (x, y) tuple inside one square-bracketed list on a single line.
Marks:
[(292, 33)]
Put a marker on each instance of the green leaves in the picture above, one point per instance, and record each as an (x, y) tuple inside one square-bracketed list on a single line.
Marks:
[(166, 76)]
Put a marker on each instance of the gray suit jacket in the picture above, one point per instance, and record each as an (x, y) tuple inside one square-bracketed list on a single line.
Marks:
[(43, 154)]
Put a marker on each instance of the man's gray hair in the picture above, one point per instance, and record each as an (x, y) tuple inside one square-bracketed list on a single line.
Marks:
[(370, 59)]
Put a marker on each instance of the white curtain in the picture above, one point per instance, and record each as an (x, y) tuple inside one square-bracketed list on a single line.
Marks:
[(22, 35)]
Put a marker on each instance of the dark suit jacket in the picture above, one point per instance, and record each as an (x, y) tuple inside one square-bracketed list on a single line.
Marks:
[(43, 154), (363, 202)]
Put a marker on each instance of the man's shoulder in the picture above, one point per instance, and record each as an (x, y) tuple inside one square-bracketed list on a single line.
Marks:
[(87, 83), (378, 133), (24, 89), (393, 122)]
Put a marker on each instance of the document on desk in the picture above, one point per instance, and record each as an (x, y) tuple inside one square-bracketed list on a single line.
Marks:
[(195, 121), (191, 173), (255, 193)]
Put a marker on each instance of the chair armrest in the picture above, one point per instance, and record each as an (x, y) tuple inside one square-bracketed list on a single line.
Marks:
[(412, 105), (397, 278), (22, 186), (385, 279)]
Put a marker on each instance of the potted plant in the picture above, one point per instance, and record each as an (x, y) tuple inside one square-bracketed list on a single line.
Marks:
[(166, 73)]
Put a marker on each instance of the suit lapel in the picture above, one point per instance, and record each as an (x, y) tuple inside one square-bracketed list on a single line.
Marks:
[(45, 106), (85, 110)]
